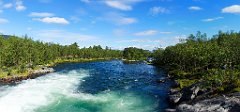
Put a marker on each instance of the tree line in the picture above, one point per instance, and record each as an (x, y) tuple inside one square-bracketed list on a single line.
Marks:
[(133, 53), (24, 51), (15, 51), (215, 61)]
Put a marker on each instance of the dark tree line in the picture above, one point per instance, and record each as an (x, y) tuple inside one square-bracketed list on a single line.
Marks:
[(15, 51), (215, 60), (133, 53)]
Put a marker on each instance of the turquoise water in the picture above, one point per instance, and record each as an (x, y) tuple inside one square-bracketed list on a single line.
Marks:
[(109, 86)]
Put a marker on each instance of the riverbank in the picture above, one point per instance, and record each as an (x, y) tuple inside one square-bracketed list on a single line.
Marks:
[(29, 73), (198, 98), (203, 94), (220, 103)]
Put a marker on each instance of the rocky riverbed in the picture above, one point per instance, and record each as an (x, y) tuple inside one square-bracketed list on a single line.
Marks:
[(196, 99)]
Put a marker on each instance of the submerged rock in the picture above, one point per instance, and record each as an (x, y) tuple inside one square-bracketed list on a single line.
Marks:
[(196, 99)]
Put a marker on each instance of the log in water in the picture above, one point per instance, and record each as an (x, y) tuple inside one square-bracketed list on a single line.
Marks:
[(109, 86)]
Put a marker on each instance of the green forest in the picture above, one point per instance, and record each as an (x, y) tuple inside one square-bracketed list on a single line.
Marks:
[(213, 61), (19, 54), (133, 53)]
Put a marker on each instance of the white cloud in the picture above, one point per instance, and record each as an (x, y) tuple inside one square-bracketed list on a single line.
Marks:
[(118, 5), (20, 6), (55, 20), (234, 9), (148, 45), (126, 20), (146, 33), (8, 5), (2, 21), (195, 8), (158, 10), (40, 14), (139, 41), (120, 19), (124, 5), (212, 19), (165, 32), (144, 43), (63, 37)]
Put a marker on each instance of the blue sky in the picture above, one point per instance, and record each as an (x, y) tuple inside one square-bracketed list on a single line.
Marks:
[(117, 23)]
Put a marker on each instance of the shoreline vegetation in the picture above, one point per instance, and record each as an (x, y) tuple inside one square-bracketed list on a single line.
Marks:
[(206, 72), (213, 61), (39, 70), (22, 57)]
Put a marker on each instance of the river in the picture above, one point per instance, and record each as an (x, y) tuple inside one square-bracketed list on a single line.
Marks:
[(106, 86)]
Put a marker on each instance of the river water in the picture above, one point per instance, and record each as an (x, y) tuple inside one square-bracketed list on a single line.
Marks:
[(107, 86)]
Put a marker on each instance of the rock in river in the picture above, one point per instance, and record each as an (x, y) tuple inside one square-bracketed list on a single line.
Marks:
[(186, 94), (229, 103)]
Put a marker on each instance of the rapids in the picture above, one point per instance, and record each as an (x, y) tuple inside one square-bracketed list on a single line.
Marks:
[(107, 86)]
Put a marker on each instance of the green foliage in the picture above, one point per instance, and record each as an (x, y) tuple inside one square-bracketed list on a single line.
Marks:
[(215, 61), (133, 53), (19, 53), (236, 89), (157, 54), (185, 82)]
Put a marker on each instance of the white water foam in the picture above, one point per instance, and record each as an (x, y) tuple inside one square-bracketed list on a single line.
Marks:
[(31, 94), (44, 93)]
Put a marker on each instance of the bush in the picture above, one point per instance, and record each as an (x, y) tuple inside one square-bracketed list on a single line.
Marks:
[(185, 82)]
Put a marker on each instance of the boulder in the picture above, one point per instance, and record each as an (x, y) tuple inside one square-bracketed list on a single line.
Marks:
[(186, 94), (172, 91), (230, 103), (191, 92), (175, 98)]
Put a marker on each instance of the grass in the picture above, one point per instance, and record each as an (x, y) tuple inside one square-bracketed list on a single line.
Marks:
[(12, 73)]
